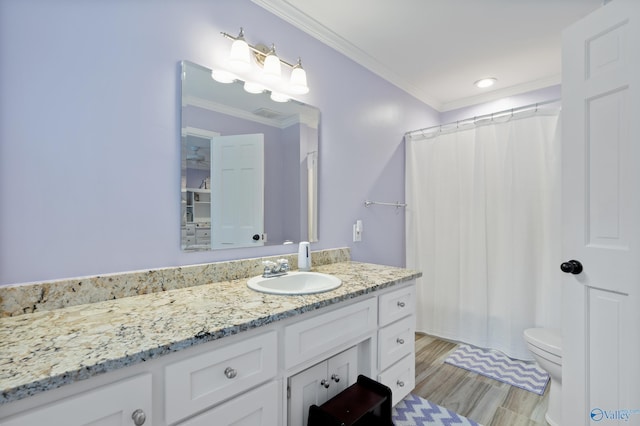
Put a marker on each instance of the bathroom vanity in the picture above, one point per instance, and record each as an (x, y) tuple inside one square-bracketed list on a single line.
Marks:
[(216, 353)]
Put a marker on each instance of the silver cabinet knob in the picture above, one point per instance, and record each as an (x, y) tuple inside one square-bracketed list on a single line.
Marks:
[(401, 304), (325, 383), (400, 383), (400, 341), (335, 378), (230, 373), (138, 417)]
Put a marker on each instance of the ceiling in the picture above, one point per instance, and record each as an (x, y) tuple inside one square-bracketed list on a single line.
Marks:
[(436, 49)]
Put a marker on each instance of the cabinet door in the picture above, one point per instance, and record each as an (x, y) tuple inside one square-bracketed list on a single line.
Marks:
[(306, 389), (110, 405), (342, 371), (258, 407), (320, 383)]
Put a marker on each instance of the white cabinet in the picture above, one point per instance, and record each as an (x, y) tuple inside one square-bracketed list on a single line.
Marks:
[(115, 404), (400, 378), (258, 407), (396, 341), (196, 220), (396, 344), (241, 380), (396, 304), (324, 333), (320, 383), (201, 381)]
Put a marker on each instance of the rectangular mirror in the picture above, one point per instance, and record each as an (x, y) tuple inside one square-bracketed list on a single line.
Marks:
[(249, 166)]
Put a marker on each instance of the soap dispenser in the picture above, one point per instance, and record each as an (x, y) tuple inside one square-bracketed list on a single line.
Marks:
[(304, 256)]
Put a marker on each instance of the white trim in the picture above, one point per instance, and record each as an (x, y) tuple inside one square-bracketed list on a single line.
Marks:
[(283, 9), (304, 22), (236, 112), (196, 131)]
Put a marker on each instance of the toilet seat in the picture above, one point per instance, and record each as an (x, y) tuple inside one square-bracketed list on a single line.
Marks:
[(547, 339)]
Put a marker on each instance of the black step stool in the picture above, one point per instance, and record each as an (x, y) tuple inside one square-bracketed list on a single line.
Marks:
[(366, 402)]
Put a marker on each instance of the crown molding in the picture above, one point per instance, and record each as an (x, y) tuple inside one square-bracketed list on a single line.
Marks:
[(284, 10), (304, 22)]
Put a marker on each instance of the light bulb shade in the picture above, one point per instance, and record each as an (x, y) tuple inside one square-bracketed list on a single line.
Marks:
[(239, 56), (298, 82), (272, 67), (251, 87), (279, 97), (222, 76)]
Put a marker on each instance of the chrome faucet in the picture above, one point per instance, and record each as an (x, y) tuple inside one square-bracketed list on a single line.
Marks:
[(275, 269)]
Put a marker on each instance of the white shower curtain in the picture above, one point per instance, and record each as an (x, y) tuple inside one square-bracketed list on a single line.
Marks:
[(483, 223)]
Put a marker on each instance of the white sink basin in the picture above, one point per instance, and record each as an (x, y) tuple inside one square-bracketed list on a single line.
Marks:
[(295, 283)]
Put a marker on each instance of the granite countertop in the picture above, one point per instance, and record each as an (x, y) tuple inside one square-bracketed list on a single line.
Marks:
[(46, 350)]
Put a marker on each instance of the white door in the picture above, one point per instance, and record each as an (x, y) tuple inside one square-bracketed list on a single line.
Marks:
[(601, 216), (237, 191), (306, 388), (342, 371)]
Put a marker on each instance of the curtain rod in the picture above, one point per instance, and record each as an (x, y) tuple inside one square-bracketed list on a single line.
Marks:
[(476, 119)]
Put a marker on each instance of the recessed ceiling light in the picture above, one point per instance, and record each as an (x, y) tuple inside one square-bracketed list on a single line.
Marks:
[(485, 82)]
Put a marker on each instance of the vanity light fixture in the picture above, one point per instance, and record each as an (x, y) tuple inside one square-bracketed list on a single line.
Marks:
[(485, 82), (239, 61)]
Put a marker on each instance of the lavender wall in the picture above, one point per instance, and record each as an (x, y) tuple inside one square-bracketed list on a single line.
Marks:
[(504, 104), (90, 134)]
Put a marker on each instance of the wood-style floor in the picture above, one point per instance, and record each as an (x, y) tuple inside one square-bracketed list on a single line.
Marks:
[(487, 401)]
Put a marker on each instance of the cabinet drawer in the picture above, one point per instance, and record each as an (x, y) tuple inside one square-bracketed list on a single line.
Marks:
[(395, 341), (258, 407), (400, 378), (107, 405), (204, 380), (315, 336), (203, 233), (397, 304)]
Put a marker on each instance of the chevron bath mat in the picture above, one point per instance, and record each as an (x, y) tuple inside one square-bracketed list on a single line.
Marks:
[(416, 411), (497, 366)]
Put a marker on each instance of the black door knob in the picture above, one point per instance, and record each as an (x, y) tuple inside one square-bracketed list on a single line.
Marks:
[(256, 237), (571, 267)]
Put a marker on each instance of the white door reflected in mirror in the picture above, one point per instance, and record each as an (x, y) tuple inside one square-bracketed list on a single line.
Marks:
[(237, 191)]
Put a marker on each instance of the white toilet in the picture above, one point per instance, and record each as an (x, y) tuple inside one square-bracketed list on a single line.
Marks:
[(546, 346)]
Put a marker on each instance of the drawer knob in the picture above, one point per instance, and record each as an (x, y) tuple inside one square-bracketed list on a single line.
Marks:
[(325, 383), (138, 417), (335, 378), (400, 341), (230, 373), (401, 304), (400, 383)]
